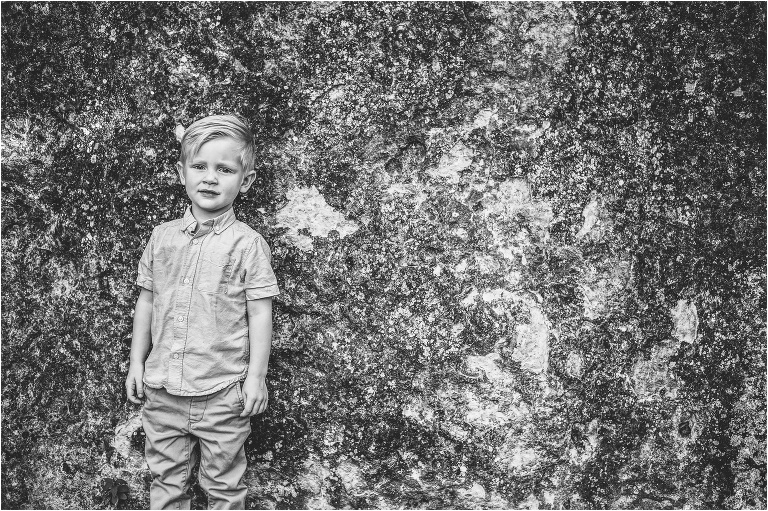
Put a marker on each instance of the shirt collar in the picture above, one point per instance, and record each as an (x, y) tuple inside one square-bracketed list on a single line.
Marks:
[(221, 222)]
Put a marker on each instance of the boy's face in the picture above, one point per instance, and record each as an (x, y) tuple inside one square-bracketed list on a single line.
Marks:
[(213, 177)]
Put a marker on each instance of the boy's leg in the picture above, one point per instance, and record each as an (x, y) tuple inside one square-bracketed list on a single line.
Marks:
[(169, 448), (222, 433)]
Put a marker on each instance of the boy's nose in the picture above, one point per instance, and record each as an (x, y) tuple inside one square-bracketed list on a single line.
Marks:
[(210, 176)]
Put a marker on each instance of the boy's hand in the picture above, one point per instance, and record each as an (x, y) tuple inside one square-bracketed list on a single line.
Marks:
[(134, 386), (255, 395)]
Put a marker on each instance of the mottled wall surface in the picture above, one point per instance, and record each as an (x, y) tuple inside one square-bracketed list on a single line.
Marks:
[(521, 247)]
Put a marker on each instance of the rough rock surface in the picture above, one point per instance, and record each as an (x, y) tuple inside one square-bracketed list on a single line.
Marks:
[(520, 246)]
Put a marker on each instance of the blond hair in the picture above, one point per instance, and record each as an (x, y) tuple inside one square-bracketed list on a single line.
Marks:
[(219, 126)]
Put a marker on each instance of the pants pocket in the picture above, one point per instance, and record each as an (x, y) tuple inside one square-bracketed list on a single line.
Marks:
[(239, 392), (148, 391)]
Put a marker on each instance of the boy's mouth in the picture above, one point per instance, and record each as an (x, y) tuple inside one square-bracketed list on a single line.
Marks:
[(210, 193)]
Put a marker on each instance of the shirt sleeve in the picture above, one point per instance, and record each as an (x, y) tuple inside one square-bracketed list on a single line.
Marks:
[(144, 278), (260, 280)]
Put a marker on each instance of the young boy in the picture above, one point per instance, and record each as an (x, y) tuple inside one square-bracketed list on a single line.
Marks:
[(206, 308)]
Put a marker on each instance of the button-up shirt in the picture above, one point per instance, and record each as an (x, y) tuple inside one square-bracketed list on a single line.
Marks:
[(200, 278)]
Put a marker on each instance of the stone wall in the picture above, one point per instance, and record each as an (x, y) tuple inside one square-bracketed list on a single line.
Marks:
[(455, 330)]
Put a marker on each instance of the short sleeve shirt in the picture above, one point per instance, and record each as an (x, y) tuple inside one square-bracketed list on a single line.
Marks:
[(200, 280)]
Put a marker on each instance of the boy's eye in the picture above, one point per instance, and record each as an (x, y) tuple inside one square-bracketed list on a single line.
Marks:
[(226, 170)]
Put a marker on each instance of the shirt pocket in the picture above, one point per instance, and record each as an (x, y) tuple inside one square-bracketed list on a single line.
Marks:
[(215, 272)]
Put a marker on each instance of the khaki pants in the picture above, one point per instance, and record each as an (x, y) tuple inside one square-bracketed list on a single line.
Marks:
[(174, 425)]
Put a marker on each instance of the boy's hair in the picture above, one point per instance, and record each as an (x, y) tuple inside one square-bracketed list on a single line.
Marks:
[(219, 126)]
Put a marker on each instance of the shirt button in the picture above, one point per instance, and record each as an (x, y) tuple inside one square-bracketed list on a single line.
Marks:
[(180, 319), (176, 356), (195, 241), (186, 281)]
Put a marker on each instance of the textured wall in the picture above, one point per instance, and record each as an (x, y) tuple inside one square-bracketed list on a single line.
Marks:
[(521, 246)]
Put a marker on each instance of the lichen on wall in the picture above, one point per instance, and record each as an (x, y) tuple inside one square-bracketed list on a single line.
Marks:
[(307, 209)]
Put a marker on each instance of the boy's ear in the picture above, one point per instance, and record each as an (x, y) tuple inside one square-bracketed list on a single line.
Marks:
[(248, 180), (180, 170)]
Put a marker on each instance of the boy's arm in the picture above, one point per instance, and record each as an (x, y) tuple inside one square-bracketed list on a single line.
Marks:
[(142, 323), (260, 336)]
